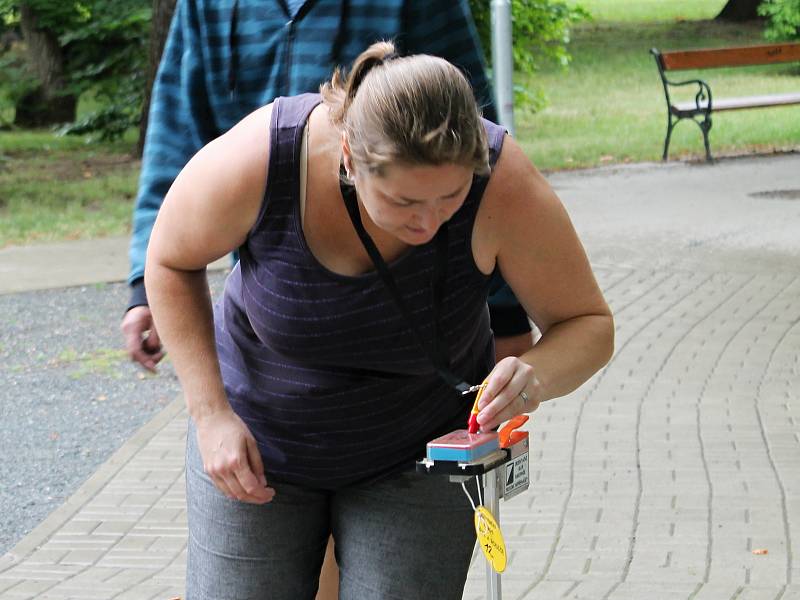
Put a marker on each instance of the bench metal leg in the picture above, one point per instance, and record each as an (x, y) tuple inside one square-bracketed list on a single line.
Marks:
[(705, 127), (670, 127)]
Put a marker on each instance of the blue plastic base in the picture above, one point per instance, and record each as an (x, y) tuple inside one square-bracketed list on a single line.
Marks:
[(462, 446)]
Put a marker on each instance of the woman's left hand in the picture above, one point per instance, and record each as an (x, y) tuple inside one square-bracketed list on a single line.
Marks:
[(511, 389)]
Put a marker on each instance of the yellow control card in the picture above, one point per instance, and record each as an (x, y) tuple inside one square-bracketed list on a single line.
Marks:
[(490, 538)]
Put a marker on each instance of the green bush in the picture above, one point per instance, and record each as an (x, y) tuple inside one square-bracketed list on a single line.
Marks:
[(110, 59), (784, 19), (104, 44), (541, 34), (16, 79)]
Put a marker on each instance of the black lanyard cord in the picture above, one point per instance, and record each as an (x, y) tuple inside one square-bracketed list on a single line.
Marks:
[(438, 358)]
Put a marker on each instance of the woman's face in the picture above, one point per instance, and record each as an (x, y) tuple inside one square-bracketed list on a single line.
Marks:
[(412, 202)]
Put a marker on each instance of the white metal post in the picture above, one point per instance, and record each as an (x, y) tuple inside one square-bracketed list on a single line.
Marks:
[(503, 63), (491, 500)]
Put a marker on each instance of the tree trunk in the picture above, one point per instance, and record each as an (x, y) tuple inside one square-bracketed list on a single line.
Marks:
[(162, 17), (739, 10), (48, 104)]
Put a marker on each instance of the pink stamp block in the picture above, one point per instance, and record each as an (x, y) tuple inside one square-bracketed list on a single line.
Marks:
[(462, 446)]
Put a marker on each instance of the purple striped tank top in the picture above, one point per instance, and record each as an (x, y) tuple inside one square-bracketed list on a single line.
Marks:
[(321, 366)]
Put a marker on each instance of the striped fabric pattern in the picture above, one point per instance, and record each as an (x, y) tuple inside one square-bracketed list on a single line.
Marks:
[(321, 366), (225, 58)]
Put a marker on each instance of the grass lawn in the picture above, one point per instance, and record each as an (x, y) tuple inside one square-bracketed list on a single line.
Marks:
[(650, 10), (608, 107), (60, 188)]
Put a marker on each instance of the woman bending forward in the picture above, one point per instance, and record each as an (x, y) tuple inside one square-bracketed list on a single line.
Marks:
[(311, 392)]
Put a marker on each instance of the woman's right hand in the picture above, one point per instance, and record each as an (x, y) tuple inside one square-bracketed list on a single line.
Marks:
[(231, 457)]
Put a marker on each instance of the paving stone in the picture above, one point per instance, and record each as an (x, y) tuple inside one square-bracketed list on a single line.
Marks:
[(129, 576), (591, 588), (85, 590), (792, 592), (82, 557), (113, 527), (663, 590), (138, 543), (761, 593), (29, 587), (46, 556)]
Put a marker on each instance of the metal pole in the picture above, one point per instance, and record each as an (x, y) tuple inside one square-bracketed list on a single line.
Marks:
[(503, 63), (491, 499)]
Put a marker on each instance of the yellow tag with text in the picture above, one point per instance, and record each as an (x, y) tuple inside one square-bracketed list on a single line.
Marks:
[(490, 539)]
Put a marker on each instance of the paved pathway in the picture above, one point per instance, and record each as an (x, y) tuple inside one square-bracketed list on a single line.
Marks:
[(673, 473)]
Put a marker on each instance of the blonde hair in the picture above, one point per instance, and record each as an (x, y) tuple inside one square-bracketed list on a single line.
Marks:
[(416, 110)]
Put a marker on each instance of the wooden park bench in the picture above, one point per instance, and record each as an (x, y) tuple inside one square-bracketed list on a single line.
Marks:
[(704, 104)]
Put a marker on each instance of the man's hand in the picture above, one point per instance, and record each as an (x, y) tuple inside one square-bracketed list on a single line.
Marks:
[(141, 337)]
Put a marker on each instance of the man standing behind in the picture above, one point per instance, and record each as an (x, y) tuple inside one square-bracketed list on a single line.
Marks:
[(225, 58)]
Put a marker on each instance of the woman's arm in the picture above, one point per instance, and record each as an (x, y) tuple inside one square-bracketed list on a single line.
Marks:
[(523, 228), (207, 213)]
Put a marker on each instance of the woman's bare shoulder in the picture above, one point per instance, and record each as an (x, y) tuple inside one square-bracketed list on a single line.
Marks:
[(248, 140), (516, 183), (234, 166), (518, 202), (216, 199)]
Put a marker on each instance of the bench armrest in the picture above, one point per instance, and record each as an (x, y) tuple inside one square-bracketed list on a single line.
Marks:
[(702, 98)]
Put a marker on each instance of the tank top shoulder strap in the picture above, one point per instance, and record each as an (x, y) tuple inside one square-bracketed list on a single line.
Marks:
[(287, 122), (495, 134)]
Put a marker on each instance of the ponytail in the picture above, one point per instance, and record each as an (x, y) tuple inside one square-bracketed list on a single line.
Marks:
[(418, 110), (340, 91)]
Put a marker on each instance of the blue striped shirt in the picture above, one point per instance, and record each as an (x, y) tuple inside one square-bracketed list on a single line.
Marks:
[(225, 58)]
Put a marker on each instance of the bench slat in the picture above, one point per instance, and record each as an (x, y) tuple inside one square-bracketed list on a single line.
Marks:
[(731, 57), (743, 102)]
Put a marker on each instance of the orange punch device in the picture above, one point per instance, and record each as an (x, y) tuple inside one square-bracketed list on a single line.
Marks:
[(509, 434)]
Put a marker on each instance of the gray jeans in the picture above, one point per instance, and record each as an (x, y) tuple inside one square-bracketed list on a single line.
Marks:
[(408, 537)]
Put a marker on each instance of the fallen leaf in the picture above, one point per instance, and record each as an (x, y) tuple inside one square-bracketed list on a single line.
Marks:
[(760, 551)]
